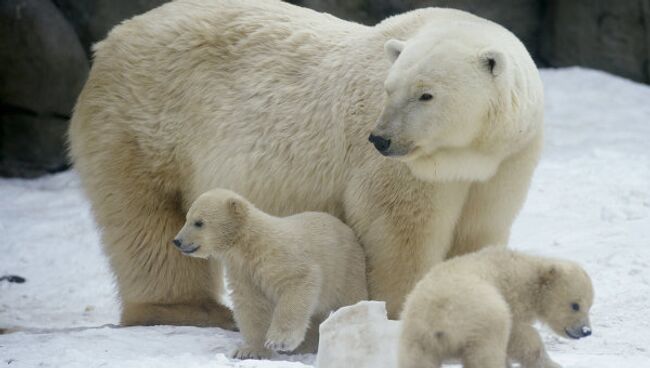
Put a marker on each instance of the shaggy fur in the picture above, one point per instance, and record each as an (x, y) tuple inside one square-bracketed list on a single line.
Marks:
[(277, 102), (283, 272), (480, 308)]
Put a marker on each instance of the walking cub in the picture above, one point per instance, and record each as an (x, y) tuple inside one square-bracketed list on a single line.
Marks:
[(480, 308), (286, 273)]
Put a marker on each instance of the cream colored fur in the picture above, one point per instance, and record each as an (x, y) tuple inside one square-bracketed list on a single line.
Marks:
[(276, 102), (284, 271), (480, 308)]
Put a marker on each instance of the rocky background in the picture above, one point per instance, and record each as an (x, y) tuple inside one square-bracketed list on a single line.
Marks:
[(45, 53)]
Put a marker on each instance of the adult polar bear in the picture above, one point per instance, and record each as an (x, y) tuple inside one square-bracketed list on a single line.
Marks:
[(276, 102)]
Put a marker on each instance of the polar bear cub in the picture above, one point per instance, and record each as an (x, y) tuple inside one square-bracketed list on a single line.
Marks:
[(284, 272), (480, 308)]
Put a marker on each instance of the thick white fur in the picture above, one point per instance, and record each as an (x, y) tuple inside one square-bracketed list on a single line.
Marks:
[(276, 102), (480, 308), (285, 272)]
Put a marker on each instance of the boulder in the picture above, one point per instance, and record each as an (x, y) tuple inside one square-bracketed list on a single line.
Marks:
[(609, 35), (43, 71), (359, 336), (43, 64), (32, 145), (522, 17), (93, 19)]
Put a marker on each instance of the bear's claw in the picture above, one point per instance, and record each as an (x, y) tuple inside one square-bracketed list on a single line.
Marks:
[(243, 352), (285, 343)]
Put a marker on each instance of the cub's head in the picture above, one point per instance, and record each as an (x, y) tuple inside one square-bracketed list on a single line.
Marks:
[(454, 106), (566, 298), (212, 223)]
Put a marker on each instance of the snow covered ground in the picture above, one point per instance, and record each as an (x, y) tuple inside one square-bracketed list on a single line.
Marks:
[(589, 201)]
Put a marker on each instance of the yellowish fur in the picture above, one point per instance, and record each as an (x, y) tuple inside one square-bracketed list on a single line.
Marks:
[(276, 102), (480, 308), (285, 272)]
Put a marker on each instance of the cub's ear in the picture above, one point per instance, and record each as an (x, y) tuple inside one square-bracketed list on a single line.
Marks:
[(548, 276), (393, 48), (237, 208), (493, 61)]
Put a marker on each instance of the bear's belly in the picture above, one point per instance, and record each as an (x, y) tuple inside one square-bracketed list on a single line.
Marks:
[(277, 181)]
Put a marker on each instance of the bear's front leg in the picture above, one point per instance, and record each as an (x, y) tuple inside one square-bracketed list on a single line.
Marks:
[(252, 312), (293, 310), (404, 224), (526, 347)]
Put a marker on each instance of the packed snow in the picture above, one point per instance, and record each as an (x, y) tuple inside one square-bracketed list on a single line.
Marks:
[(589, 201), (359, 336)]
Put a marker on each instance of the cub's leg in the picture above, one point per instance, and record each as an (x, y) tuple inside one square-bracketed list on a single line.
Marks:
[(292, 313), (527, 348), (414, 351), (253, 312), (486, 356), (489, 349)]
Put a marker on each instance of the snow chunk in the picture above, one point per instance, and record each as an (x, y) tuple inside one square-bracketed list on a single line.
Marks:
[(359, 336)]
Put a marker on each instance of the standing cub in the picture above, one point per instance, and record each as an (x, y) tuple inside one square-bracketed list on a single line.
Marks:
[(282, 271), (480, 308)]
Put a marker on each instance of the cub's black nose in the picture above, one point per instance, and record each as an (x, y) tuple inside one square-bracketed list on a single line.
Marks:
[(177, 242), (586, 331), (380, 143)]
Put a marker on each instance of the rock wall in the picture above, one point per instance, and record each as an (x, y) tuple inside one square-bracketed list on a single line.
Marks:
[(522, 17), (45, 49), (609, 35), (43, 70)]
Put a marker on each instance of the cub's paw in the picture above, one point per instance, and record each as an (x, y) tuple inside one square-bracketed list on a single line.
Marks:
[(283, 341), (247, 352)]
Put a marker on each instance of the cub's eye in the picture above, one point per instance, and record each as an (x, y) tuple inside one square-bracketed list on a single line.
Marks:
[(198, 223), (426, 97), (575, 306)]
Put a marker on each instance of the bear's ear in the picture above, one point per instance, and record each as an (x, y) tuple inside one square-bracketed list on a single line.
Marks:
[(493, 61), (548, 276), (393, 48), (237, 208)]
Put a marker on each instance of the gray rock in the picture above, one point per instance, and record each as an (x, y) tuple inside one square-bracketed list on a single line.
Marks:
[(43, 71), (360, 11), (609, 35), (43, 64), (93, 19), (522, 17), (31, 146)]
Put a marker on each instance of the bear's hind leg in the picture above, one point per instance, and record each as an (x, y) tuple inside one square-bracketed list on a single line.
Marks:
[(159, 285), (139, 215), (206, 313)]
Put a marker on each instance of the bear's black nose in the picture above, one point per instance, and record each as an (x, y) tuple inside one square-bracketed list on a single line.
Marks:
[(586, 331), (177, 243), (380, 143)]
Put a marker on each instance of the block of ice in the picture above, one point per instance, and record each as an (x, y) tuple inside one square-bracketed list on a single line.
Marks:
[(359, 336)]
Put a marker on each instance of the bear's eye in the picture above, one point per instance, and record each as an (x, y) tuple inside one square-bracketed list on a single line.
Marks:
[(426, 97), (575, 306), (198, 223)]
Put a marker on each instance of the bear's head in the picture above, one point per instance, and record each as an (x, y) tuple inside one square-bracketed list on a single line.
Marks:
[(457, 102), (212, 224), (565, 299)]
